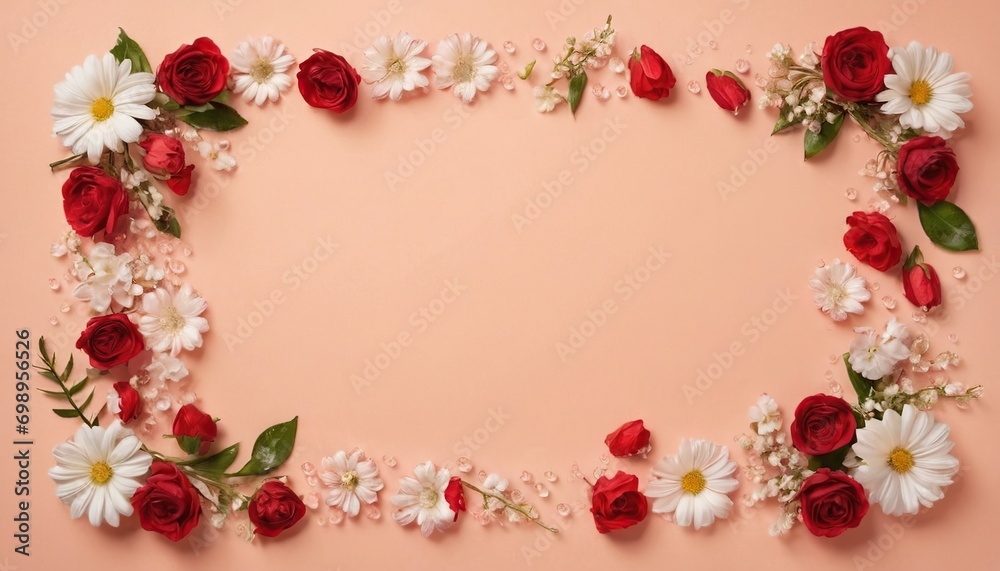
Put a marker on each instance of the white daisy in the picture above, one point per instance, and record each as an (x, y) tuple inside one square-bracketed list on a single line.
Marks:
[(98, 105), (218, 153), (494, 484), (695, 484), (259, 66), (354, 479), (924, 92), (394, 66), (98, 471), (765, 414), (164, 367), (170, 323), (906, 460), (839, 290), (875, 355), (546, 98), (105, 277), (422, 499), (465, 64)]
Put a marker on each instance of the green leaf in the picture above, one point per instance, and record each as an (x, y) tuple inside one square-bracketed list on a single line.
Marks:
[(576, 85), (271, 449), (216, 463), (127, 49), (948, 226), (862, 386), (783, 122), (78, 386), (65, 412), (68, 370), (220, 117), (167, 223), (49, 376), (833, 460), (816, 142), (51, 393), (222, 97), (86, 403), (189, 444)]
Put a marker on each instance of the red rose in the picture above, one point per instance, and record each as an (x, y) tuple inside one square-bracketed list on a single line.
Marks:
[(854, 64), (165, 156), (194, 74), (651, 77), (327, 81), (727, 90), (110, 340), (274, 508), (455, 495), (872, 239), (832, 503), (926, 169), (93, 201), (129, 403), (617, 503), (194, 430), (629, 439), (920, 282), (167, 504), (823, 424)]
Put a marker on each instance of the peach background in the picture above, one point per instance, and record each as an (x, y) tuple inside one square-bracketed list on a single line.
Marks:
[(654, 186)]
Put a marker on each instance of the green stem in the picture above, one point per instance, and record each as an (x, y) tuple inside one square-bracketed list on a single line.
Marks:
[(510, 505), (863, 122), (66, 161)]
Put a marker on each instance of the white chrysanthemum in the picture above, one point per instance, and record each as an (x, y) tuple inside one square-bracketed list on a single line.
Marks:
[(924, 92), (394, 65), (695, 484), (875, 355), (170, 323), (105, 277), (906, 460), (546, 98), (765, 414), (259, 66), (353, 479), (422, 499), (164, 367), (98, 471), (99, 104), (839, 290), (494, 484), (465, 64)]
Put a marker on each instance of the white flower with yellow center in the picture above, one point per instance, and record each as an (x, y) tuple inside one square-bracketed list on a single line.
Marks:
[(98, 471), (422, 499), (394, 65), (839, 290), (695, 484), (465, 64), (98, 106), (259, 66), (353, 479), (170, 323), (906, 460)]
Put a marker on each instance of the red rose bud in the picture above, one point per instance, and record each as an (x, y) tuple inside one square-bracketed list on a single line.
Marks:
[(194, 430), (926, 169), (110, 340), (650, 76), (727, 90), (854, 64), (165, 157), (455, 495), (823, 424), (629, 439), (274, 508), (872, 239), (126, 400), (327, 81), (617, 503), (832, 503), (167, 504), (194, 74), (93, 201), (920, 282)]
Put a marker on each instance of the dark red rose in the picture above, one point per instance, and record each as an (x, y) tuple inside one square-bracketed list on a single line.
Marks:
[(854, 64), (129, 403), (455, 495), (110, 340), (327, 81), (194, 74), (920, 282), (872, 239), (165, 157), (194, 430), (93, 201), (823, 424), (832, 503), (651, 77), (167, 504), (629, 439), (727, 90), (926, 169), (274, 508), (617, 503)]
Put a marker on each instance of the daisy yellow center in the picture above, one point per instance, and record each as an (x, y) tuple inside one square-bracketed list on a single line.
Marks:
[(920, 92), (171, 320), (465, 70), (838, 293), (261, 71), (428, 498), (900, 460), (102, 109), (693, 482), (101, 472), (349, 480), (397, 67)]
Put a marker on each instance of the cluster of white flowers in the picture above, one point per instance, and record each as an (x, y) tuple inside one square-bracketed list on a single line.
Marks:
[(593, 51), (797, 89)]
